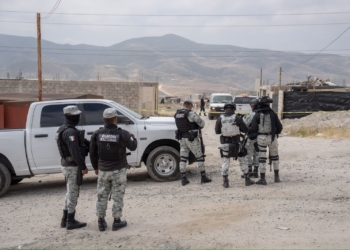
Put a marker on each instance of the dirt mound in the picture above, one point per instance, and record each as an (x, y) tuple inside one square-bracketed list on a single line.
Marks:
[(339, 119)]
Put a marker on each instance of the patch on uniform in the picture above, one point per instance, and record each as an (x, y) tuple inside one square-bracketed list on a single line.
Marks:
[(72, 138), (108, 138), (180, 116)]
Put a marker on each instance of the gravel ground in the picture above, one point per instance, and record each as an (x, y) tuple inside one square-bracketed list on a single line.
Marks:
[(312, 201), (336, 119)]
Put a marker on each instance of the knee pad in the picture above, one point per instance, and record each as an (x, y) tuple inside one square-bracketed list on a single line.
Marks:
[(274, 158)]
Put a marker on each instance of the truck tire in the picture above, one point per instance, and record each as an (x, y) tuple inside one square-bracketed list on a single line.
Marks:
[(163, 164), (5, 179), (16, 181), (211, 117)]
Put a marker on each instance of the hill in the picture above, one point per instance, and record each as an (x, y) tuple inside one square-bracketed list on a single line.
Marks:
[(179, 64)]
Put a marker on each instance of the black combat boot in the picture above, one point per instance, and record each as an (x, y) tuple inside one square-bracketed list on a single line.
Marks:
[(250, 172), (64, 218), (118, 224), (199, 114), (225, 184), (255, 172), (262, 180), (277, 177), (184, 179), (205, 178), (248, 181), (72, 223), (102, 224)]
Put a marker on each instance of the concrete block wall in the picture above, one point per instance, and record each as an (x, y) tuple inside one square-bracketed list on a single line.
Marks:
[(130, 94)]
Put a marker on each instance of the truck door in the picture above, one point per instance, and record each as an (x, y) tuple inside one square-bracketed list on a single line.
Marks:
[(42, 136), (93, 121)]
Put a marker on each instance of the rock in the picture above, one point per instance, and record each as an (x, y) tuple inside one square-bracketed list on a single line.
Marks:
[(319, 134)]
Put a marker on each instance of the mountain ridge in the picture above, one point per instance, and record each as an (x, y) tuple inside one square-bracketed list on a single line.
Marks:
[(170, 59)]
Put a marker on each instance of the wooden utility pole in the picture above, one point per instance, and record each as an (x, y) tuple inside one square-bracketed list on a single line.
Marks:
[(280, 83), (261, 77), (40, 83)]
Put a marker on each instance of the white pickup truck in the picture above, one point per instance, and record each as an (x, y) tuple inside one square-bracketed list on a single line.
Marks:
[(33, 150)]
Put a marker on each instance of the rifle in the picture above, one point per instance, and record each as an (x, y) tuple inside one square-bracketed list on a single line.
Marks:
[(270, 161), (202, 142), (84, 151)]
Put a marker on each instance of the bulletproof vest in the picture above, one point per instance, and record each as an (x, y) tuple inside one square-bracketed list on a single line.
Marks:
[(182, 122), (62, 146), (229, 126), (108, 143), (265, 123)]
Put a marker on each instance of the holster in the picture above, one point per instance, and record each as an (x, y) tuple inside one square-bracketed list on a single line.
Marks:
[(178, 135), (233, 150), (192, 135), (256, 147)]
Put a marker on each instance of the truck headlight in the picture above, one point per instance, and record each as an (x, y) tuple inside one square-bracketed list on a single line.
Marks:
[(212, 108)]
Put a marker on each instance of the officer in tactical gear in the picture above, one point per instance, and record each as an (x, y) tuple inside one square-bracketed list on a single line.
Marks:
[(265, 128), (189, 124), (252, 157), (72, 148), (108, 158), (230, 126)]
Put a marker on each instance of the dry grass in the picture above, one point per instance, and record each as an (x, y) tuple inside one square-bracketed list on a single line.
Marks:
[(330, 132)]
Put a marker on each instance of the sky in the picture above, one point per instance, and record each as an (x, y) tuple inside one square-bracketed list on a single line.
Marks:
[(300, 38)]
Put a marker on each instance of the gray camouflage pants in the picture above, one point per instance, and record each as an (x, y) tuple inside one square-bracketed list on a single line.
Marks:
[(225, 161), (72, 194), (195, 147), (264, 141), (252, 157), (114, 183)]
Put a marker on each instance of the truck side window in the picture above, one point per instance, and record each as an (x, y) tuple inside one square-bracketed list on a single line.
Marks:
[(93, 113), (52, 115)]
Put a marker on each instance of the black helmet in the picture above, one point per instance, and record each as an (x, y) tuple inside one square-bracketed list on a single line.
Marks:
[(265, 100), (254, 102), (230, 105)]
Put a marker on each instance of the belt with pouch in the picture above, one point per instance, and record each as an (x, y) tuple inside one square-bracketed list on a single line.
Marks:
[(264, 133)]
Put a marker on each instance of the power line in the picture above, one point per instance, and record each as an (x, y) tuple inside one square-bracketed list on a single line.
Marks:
[(185, 15), (179, 51), (323, 48), (133, 55), (53, 10), (185, 26)]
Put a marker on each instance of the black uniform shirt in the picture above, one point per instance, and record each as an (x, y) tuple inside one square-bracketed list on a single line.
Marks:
[(239, 121), (126, 140), (70, 139)]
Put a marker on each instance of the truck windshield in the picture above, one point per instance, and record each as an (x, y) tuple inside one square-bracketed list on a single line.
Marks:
[(221, 99), (243, 100), (131, 112)]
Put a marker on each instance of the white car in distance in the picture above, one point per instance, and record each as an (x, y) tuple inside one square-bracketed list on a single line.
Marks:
[(243, 103)]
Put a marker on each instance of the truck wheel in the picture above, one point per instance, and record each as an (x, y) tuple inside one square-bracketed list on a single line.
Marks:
[(163, 164), (211, 117), (16, 181), (5, 179)]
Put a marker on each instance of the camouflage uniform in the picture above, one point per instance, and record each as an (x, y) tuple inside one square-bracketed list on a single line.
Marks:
[(264, 141), (252, 157), (194, 146), (114, 183), (72, 194)]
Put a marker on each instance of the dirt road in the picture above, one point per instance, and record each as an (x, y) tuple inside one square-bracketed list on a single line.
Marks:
[(312, 200)]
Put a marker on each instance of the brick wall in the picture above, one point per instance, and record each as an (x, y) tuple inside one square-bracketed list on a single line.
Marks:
[(134, 95)]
